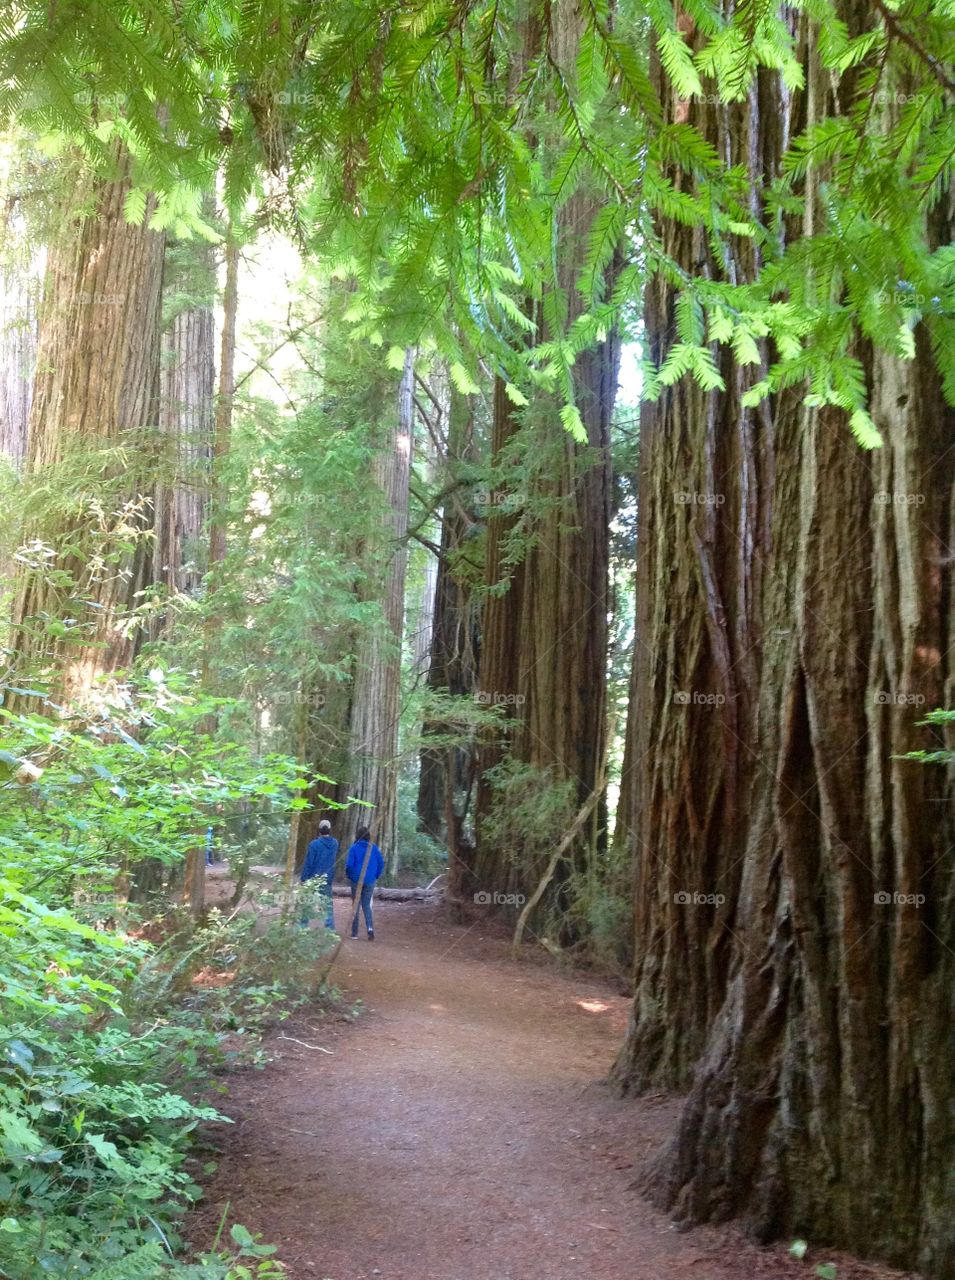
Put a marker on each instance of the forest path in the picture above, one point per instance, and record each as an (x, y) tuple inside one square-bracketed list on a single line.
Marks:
[(458, 1129)]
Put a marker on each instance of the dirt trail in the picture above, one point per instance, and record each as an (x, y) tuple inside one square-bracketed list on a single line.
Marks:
[(458, 1130)]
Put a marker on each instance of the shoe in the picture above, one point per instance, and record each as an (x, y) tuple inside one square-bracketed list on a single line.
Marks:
[(371, 936), (354, 937)]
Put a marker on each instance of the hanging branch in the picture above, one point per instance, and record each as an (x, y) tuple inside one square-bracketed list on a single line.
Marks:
[(896, 30)]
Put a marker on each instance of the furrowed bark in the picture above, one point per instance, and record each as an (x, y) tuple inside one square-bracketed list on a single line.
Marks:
[(810, 1012), (545, 638), (454, 637), (377, 686), (95, 387), (186, 417)]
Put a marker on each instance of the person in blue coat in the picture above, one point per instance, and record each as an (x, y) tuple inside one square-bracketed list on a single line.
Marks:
[(320, 865), (376, 865)]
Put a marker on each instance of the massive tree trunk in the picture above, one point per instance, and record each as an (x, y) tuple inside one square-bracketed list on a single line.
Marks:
[(816, 599), (376, 696), (705, 475), (96, 389), (544, 640), (544, 647), (454, 635), (194, 888), (822, 1103), (181, 496)]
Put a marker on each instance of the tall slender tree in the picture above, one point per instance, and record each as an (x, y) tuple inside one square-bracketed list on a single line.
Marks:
[(21, 278), (186, 415), (376, 693), (447, 773)]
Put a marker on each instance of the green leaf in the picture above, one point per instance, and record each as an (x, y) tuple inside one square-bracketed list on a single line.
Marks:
[(134, 207), (463, 380), (20, 1055), (745, 348), (16, 1136), (571, 421), (865, 430), (678, 61), (755, 394)]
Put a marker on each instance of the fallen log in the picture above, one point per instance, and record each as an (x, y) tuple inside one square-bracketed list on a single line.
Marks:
[(433, 892), (394, 895)]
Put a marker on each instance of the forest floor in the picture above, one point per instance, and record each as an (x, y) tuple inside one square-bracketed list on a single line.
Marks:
[(459, 1129)]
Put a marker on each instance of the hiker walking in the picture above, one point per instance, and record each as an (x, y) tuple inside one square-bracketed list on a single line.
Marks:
[(376, 864), (320, 864)]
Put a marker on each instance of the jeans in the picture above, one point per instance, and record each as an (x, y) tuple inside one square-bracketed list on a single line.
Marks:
[(366, 891), (325, 888)]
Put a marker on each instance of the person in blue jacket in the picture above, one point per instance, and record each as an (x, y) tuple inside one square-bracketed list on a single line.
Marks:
[(376, 864), (320, 864)]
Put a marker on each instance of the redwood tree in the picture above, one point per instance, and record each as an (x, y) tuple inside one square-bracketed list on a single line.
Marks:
[(95, 391), (186, 413), (376, 692), (795, 904), (447, 773), (545, 619), (19, 298)]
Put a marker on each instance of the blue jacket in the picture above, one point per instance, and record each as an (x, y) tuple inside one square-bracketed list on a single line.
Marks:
[(356, 856), (320, 858)]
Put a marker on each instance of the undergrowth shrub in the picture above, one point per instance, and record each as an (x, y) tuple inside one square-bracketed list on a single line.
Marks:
[(117, 1021), (419, 853), (530, 812), (588, 907)]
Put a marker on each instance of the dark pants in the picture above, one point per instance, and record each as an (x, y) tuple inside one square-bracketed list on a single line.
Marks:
[(366, 891)]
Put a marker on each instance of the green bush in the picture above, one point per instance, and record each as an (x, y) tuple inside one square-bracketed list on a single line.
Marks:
[(530, 813), (418, 853), (107, 1040)]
